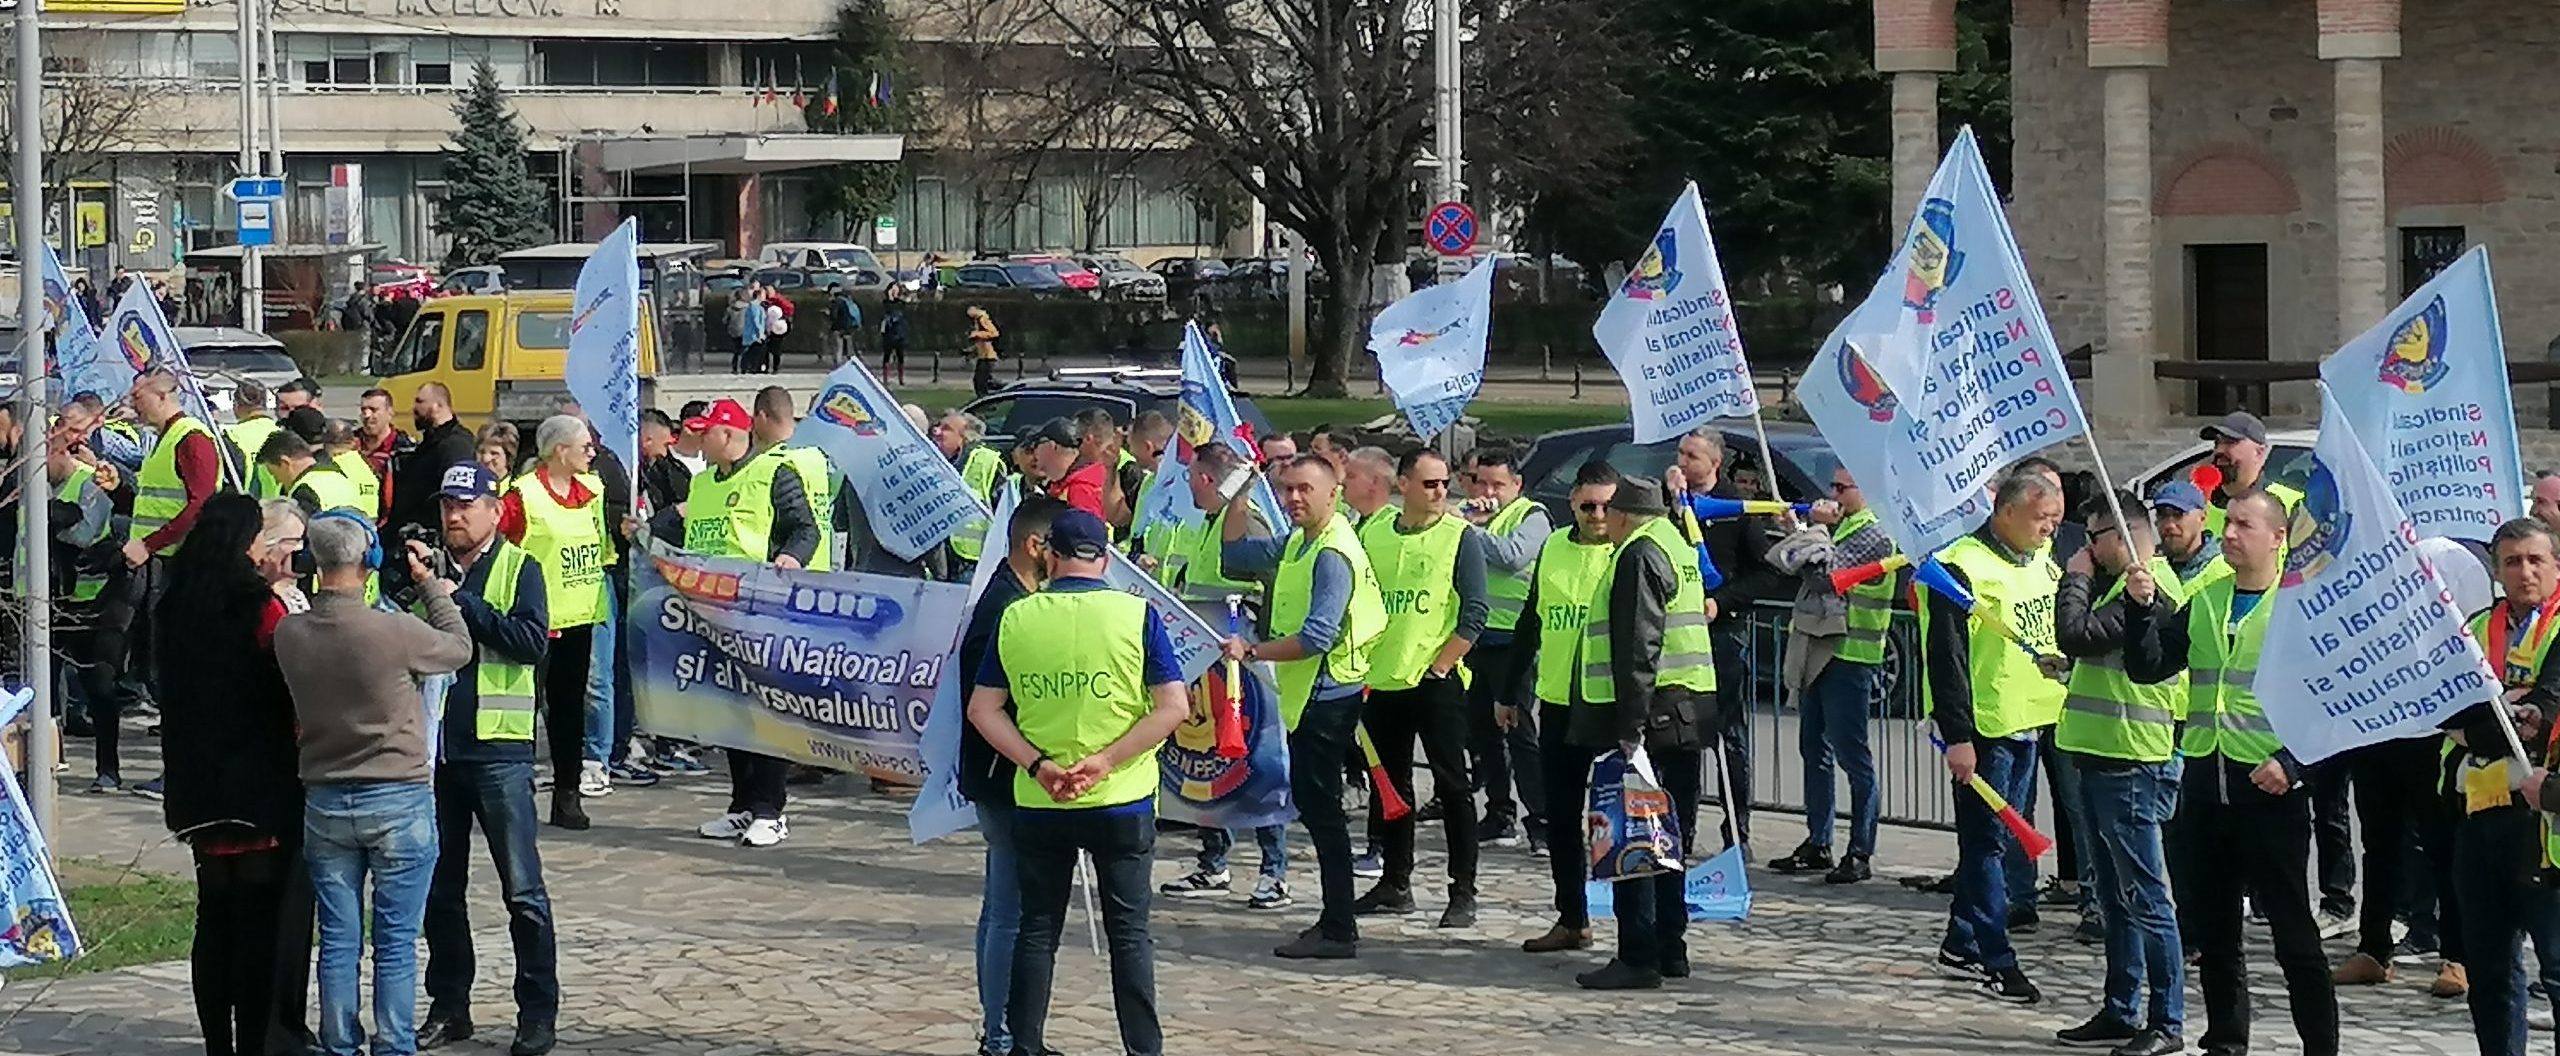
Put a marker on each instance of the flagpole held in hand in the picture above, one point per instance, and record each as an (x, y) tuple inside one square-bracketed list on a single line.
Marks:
[(1229, 709), (1391, 804), (2029, 840)]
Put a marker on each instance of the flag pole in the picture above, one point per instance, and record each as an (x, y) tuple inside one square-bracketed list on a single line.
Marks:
[(1768, 465)]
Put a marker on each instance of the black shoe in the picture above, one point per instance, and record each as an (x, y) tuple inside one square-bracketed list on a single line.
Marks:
[(1461, 912), (566, 812), (2151, 1043), (1537, 841), (1498, 831), (1619, 975), (1962, 968), (805, 776), (2055, 893), (2102, 1031), (1675, 967), (1850, 870), (533, 1039), (2011, 985), (1433, 810), (1311, 945), (438, 1031), (2226, 1049), (2091, 931), (1382, 900), (1806, 859), (2023, 917)]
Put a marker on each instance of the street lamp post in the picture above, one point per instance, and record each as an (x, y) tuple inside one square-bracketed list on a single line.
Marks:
[(34, 576)]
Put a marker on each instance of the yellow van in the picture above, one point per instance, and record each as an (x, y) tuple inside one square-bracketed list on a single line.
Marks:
[(501, 355)]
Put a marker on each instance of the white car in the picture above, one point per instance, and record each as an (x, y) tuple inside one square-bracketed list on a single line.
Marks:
[(819, 255), (2288, 461), (220, 355)]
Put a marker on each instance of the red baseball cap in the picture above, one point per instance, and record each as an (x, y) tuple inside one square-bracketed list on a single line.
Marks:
[(722, 413)]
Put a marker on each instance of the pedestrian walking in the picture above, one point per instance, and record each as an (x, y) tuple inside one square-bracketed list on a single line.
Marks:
[(982, 351), (893, 335), (844, 328), (1561, 585), (1094, 690), (366, 762)]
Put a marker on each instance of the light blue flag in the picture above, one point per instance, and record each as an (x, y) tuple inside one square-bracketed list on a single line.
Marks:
[(603, 368), (1430, 349), (1669, 330), (2430, 383), (81, 361), (1208, 413), (940, 808), (1947, 373), (914, 496), (38, 926), (2366, 643)]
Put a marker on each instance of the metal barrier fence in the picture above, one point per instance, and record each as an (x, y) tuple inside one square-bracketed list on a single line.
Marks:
[(1911, 780)]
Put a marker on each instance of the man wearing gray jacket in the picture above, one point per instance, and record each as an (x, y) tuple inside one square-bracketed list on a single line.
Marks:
[(1835, 656)]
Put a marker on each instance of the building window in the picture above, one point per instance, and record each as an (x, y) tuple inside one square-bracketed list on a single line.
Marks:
[(2426, 251), (623, 64)]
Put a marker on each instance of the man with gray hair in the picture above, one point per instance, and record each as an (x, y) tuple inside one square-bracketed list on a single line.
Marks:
[(1368, 483), (959, 435)]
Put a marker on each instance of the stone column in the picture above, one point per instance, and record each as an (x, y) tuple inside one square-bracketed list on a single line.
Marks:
[(2127, 40), (1915, 42), (2355, 37)]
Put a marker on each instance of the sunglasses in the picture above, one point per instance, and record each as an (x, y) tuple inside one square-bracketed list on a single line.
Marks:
[(1590, 507), (1442, 482)]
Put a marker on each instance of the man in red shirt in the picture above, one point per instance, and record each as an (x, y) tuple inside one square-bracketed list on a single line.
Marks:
[(377, 440), (199, 465), (1074, 479)]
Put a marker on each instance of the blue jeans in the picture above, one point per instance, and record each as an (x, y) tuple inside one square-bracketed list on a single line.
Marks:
[(2020, 869), (598, 743), (1833, 714), (2125, 806), (1978, 922), (2072, 818), (1123, 844), (1272, 839), (499, 796), (999, 923), (386, 829)]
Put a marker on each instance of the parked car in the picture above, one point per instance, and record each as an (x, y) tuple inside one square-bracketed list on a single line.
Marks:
[(2288, 462), (1008, 279), (501, 357), (818, 255), (221, 356), (485, 278), (388, 277), (1182, 275), (1075, 275), (1125, 392), (1122, 279)]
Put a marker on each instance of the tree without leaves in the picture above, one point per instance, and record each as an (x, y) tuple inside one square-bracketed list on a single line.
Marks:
[(492, 203), (993, 83), (92, 111)]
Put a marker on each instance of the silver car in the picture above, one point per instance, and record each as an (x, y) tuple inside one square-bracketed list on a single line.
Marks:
[(222, 355)]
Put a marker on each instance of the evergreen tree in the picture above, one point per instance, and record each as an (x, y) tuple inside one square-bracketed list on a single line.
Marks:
[(861, 92), (492, 203)]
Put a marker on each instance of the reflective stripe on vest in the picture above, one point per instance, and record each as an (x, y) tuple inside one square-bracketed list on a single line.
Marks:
[(2106, 713), (1507, 591), (1363, 619), (506, 689), (86, 585), (818, 482), (1688, 649), (159, 493), (980, 470), (2010, 694), (2222, 664), (1076, 662), (571, 546), (732, 517), (368, 485), (249, 436), (1567, 573), (1417, 573), (1870, 603)]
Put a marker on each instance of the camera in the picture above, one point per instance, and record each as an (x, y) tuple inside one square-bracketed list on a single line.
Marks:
[(439, 564)]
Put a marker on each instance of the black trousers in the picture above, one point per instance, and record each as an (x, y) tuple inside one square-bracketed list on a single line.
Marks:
[(239, 904), (1734, 668), (1653, 912), (756, 784), (2401, 811), (1434, 713), (98, 654), (2333, 837), (2231, 840), (1504, 757), (1568, 772), (2498, 855), (564, 702), (982, 377), (1325, 730), (297, 920)]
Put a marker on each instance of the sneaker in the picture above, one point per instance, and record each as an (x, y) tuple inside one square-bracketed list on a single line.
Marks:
[(1806, 859), (1538, 843), (1850, 870), (1369, 866), (1558, 939), (1498, 831), (681, 761), (1966, 969), (151, 790), (106, 783), (2102, 1031), (1269, 893), (2023, 917), (593, 782), (2011, 985), (2451, 981), (1310, 945), (765, 832), (726, 826), (2151, 1042), (632, 774), (1201, 883), (2361, 969), (1619, 975), (1382, 900), (2091, 931), (1431, 811), (1461, 912), (2058, 892), (2334, 922)]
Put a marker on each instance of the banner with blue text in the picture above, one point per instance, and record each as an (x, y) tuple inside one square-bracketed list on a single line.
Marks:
[(1197, 784), (37, 928), (1207, 415), (1669, 330), (2366, 644), (84, 363), (941, 808), (914, 496), (2429, 383)]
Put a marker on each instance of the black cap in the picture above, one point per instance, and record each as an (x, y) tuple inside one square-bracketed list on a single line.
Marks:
[(2237, 425), (1059, 431)]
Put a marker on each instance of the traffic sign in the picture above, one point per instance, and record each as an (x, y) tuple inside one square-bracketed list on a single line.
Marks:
[(257, 222), (1450, 228), (884, 231), (254, 189)]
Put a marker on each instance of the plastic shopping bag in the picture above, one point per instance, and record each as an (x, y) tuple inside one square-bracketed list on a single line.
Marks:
[(1715, 889), (1632, 830)]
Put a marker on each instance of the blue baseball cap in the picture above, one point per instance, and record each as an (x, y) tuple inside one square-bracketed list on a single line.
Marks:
[(2179, 496), (1078, 533), (469, 481)]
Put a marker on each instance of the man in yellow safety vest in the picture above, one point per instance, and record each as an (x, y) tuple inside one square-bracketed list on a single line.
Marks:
[(1515, 529), (1568, 569), (1835, 656)]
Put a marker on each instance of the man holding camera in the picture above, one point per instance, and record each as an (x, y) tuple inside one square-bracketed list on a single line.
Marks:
[(486, 772)]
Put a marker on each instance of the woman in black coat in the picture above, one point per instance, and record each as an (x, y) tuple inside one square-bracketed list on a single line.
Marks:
[(234, 794)]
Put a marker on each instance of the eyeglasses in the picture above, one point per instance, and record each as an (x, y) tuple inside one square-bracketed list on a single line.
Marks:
[(1590, 507), (1435, 485), (1843, 485)]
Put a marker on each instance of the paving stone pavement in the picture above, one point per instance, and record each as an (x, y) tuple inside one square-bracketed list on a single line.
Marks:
[(848, 940)]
